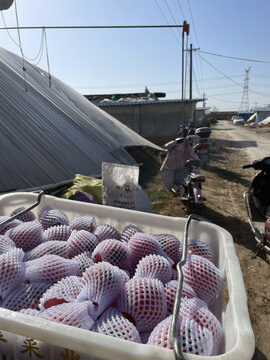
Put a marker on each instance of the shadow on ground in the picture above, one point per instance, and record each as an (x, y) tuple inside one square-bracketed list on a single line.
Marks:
[(258, 355), (228, 175), (240, 230), (240, 144)]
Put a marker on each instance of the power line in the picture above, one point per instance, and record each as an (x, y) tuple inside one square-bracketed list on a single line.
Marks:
[(193, 23), (162, 13), (170, 11), (227, 77), (181, 9), (235, 58)]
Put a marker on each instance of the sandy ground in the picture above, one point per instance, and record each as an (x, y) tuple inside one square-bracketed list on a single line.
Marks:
[(226, 182)]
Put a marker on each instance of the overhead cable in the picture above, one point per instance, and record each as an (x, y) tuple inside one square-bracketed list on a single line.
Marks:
[(162, 13), (227, 77), (235, 58), (20, 44)]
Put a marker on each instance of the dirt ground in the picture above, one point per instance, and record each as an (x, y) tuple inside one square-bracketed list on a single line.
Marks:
[(223, 189)]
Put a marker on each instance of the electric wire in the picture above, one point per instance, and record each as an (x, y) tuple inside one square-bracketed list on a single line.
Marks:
[(12, 39), (227, 77), (180, 7), (168, 7), (235, 58), (192, 20), (47, 56), (195, 32), (39, 54), (20, 44), (162, 13)]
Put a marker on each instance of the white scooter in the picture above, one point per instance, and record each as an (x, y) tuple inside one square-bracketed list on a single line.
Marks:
[(180, 172)]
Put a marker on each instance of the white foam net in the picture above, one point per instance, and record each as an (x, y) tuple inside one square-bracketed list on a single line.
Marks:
[(28, 216), (6, 244), (204, 277), (200, 248), (87, 223), (170, 245), (141, 245), (73, 314), (59, 248), (50, 268), (26, 235), (31, 312), (11, 270), (129, 231), (51, 217), (113, 323), (113, 251), (102, 283), (81, 241), (25, 296), (143, 301), (65, 290), (197, 309), (194, 338), (155, 267), (105, 231), (84, 261), (57, 233), (6, 227), (170, 291)]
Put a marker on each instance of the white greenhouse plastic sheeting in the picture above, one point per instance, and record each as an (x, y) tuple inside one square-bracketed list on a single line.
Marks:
[(51, 132)]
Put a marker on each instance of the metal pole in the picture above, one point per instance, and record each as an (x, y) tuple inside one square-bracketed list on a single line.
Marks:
[(183, 33), (190, 74), (89, 27)]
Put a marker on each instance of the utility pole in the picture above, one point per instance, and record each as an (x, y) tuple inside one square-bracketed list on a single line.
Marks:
[(185, 30), (190, 73), (191, 49)]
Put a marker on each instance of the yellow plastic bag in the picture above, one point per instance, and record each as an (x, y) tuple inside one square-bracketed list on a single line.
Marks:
[(88, 184)]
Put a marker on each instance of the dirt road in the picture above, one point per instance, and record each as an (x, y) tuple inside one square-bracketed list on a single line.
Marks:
[(255, 144), (226, 182)]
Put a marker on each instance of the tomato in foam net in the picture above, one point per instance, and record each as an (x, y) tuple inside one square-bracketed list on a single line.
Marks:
[(119, 283)]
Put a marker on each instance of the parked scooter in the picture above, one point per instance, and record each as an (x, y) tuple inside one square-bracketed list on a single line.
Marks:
[(180, 172), (257, 202), (202, 145)]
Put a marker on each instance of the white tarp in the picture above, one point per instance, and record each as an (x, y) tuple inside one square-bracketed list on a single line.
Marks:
[(50, 133)]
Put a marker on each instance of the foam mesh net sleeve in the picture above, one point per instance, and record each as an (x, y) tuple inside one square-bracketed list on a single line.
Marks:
[(143, 302), (155, 267), (194, 338), (65, 290), (50, 268), (113, 323), (113, 251), (102, 284)]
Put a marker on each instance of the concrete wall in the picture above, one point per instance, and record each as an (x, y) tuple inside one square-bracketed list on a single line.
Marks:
[(153, 120)]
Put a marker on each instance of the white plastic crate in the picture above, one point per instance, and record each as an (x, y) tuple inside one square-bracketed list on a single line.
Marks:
[(26, 337)]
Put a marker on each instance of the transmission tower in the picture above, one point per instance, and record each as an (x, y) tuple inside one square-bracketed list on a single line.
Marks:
[(244, 105)]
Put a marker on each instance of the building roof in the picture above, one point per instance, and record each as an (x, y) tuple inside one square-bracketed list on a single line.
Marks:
[(144, 102)]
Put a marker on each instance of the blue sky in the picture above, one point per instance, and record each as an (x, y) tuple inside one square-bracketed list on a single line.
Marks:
[(95, 61)]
